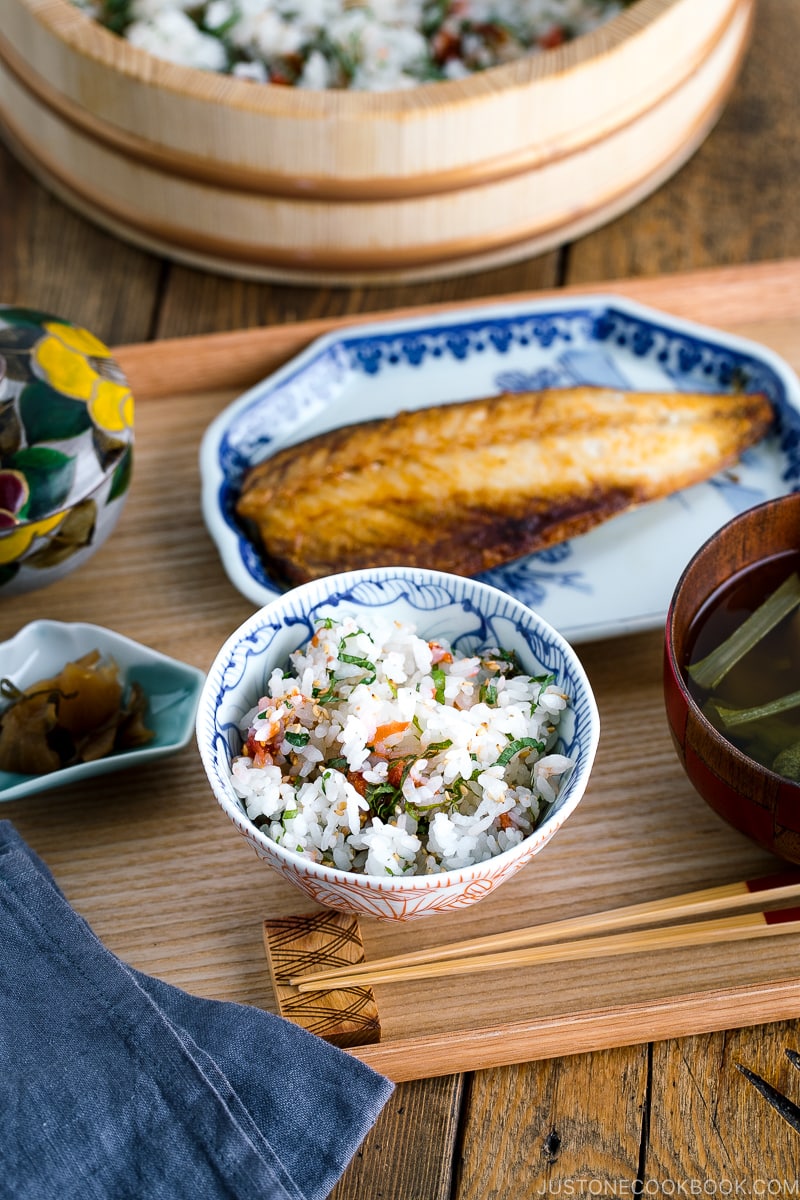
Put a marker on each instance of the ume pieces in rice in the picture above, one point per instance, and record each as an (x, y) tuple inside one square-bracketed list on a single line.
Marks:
[(381, 752), (465, 487)]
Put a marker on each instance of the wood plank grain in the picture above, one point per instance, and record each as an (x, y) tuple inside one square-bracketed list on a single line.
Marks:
[(196, 303), (616, 1026), (734, 201), (709, 1124), (53, 260), (409, 1153), (761, 300), (569, 1127)]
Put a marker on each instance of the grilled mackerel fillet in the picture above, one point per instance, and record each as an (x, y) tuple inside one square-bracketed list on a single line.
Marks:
[(464, 487)]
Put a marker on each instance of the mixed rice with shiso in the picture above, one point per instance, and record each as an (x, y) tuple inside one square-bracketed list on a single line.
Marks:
[(322, 44), (380, 752)]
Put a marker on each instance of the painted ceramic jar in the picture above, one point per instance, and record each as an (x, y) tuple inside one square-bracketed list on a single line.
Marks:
[(66, 443)]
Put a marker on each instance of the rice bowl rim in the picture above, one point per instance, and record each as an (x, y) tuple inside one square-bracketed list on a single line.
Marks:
[(219, 776), (86, 36)]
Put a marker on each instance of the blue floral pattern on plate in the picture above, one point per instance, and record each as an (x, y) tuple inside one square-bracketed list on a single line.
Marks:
[(613, 580)]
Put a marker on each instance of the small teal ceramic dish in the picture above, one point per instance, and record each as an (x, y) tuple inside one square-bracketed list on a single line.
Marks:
[(470, 616), (66, 443), (172, 688), (613, 580)]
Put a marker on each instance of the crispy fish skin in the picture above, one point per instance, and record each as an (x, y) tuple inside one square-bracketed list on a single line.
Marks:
[(466, 486)]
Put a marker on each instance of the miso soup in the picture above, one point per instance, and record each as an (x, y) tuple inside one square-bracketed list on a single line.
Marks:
[(743, 662)]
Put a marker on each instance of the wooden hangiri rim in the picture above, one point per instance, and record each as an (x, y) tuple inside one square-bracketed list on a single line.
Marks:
[(353, 259), (239, 178), (88, 38)]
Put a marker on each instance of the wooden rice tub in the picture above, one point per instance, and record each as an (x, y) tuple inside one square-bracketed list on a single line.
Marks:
[(277, 183)]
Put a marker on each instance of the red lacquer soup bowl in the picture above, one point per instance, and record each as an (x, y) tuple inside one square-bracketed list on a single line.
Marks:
[(753, 798)]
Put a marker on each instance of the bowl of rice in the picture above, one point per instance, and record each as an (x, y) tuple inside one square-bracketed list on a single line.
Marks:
[(337, 141), (397, 742)]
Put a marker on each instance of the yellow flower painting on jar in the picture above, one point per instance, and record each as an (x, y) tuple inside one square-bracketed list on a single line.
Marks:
[(66, 444)]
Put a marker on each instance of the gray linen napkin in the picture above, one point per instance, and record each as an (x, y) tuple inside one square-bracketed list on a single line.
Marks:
[(118, 1086)]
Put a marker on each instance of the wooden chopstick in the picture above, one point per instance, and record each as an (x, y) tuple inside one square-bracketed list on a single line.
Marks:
[(764, 890), (698, 933)]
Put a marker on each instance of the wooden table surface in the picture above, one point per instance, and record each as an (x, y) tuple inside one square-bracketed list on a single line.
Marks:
[(666, 1118)]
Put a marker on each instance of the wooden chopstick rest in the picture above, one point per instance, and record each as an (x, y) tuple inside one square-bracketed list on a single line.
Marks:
[(346, 1016)]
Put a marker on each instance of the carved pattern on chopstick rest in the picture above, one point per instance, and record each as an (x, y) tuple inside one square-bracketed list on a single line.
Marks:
[(345, 1016)]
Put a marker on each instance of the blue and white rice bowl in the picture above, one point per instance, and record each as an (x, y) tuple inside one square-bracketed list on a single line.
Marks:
[(466, 614)]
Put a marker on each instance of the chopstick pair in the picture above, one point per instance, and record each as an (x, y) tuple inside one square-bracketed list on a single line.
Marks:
[(541, 943)]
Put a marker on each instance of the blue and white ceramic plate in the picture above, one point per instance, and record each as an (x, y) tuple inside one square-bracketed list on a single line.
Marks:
[(613, 580), (172, 688)]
